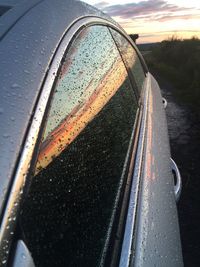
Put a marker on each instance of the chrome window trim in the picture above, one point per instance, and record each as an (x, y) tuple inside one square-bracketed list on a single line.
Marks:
[(127, 245), (15, 195), (119, 190)]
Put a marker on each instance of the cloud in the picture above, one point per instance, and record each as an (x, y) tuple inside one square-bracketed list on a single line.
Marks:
[(178, 16), (102, 4), (159, 33), (159, 10)]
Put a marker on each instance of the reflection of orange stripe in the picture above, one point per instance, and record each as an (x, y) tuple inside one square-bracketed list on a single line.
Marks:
[(150, 158), (63, 135)]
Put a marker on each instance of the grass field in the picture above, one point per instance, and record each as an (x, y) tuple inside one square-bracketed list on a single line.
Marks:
[(178, 61)]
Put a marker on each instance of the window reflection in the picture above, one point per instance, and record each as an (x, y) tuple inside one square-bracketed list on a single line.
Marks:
[(130, 58), (89, 77)]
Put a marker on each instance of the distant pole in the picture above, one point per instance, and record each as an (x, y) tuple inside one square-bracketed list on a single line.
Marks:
[(134, 37)]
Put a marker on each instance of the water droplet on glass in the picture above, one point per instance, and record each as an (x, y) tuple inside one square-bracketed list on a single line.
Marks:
[(23, 256)]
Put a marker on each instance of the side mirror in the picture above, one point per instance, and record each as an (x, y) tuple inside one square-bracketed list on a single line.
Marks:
[(22, 256)]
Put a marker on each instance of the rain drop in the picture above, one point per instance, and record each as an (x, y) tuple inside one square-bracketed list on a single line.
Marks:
[(23, 256)]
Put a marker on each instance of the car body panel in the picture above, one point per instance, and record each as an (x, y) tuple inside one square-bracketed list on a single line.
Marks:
[(152, 220), (157, 230), (16, 11)]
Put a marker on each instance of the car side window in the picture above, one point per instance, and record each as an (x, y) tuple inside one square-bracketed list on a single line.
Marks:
[(130, 58), (82, 157)]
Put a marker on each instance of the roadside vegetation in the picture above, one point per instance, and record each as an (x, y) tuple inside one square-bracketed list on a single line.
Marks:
[(178, 61)]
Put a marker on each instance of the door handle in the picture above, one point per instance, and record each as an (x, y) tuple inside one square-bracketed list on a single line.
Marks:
[(178, 182), (164, 102)]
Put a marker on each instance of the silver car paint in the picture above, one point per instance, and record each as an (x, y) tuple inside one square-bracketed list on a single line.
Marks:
[(152, 235), (156, 232), (157, 237)]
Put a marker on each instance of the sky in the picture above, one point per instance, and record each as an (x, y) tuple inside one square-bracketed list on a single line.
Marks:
[(154, 20)]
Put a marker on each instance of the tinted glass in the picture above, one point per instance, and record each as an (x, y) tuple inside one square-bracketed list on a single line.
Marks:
[(130, 58), (80, 168)]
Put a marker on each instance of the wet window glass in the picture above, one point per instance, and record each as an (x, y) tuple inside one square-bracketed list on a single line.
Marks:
[(130, 59), (82, 159)]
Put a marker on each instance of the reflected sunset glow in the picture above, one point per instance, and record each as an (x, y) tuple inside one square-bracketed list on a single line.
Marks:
[(81, 115)]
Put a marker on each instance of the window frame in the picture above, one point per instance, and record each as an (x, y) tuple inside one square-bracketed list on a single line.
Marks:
[(26, 164)]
